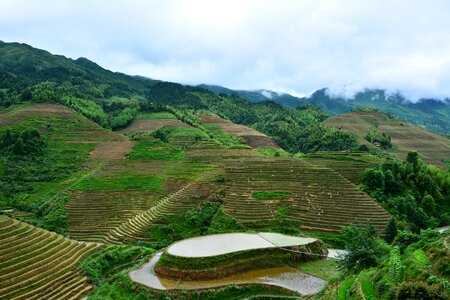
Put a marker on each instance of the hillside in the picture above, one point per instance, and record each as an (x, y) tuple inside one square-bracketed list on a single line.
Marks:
[(37, 264), (433, 148), (101, 170), (114, 99), (432, 114), (22, 66)]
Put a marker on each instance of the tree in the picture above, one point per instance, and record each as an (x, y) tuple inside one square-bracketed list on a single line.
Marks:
[(391, 230), (19, 148), (373, 179), (391, 186), (364, 249), (413, 157)]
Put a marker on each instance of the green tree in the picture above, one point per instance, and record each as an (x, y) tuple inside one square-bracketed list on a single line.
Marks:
[(391, 230), (364, 249), (374, 179)]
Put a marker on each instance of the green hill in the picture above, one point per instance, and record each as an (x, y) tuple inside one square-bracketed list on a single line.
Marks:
[(433, 148), (88, 156), (432, 114)]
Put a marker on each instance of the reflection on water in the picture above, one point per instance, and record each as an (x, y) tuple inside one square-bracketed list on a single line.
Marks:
[(286, 277), (217, 244)]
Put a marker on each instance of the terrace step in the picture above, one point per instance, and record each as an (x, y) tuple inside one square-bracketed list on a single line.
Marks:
[(42, 267), (136, 228), (321, 197)]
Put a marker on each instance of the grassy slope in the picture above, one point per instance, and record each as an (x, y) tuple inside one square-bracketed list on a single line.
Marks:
[(433, 148)]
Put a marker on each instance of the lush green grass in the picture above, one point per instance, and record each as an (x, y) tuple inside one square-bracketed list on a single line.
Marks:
[(273, 152), (368, 289), (323, 268), (155, 115), (155, 150), (121, 182), (344, 288), (186, 170), (417, 263), (187, 133), (270, 195), (101, 264), (226, 140), (16, 106)]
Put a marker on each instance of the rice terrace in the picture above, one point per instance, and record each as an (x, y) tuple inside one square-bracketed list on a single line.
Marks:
[(116, 186)]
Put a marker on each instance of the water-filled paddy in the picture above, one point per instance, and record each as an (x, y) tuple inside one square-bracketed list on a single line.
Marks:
[(218, 244), (286, 277)]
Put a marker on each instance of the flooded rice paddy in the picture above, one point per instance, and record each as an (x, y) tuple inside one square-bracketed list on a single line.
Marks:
[(285, 277), (217, 244), (204, 246)]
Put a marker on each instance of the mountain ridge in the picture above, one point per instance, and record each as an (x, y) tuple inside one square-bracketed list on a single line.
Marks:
[(432, 114)]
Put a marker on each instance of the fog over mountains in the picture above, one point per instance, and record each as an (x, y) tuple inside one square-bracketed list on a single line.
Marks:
[(432, 114)]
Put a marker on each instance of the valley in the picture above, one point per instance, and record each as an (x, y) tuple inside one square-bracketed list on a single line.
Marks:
[(103, 175)]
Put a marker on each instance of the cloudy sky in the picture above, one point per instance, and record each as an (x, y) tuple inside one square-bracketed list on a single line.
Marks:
[(289, 46)]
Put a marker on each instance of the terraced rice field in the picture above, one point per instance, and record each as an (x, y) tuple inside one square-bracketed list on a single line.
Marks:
[(318, 197), (150, 125), (216, 154), (432, 147), (349, 165), (114, 207), (251, 137), (188, 196), (38, 264)]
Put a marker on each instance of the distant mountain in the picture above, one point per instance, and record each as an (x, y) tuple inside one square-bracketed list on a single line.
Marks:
[(24, 69), (255, 96), (432, 114), (433, 148)]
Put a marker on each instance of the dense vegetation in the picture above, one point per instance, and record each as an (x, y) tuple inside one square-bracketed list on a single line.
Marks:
[(418, 195), (113, 99), (27, 161), (383, 140), (413, 267), (295, 130), (205, 219)]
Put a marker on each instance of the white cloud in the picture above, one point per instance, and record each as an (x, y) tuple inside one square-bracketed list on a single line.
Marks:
[(291, 46)]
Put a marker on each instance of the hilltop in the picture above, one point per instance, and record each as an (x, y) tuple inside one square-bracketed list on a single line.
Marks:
[(432, 114), (433, 148)]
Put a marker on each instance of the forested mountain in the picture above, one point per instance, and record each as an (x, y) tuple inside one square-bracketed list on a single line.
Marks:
[(432, 114), (100, 170), (113, 99), (256, 96)]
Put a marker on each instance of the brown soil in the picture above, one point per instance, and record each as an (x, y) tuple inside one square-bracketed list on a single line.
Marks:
[(221, 153), (258, 141), (40, 110), (229, 127), (173, 185), (112, 150), (251, 136), (433, 148), (92, 214)]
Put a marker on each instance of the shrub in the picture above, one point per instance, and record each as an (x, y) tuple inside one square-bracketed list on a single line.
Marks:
[(420, 290)]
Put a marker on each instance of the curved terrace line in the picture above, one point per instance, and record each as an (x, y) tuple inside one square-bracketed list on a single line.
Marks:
[(285, 277)]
